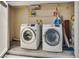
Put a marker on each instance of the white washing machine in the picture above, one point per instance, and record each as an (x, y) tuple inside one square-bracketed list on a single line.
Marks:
[(30, 36), (52, 38)]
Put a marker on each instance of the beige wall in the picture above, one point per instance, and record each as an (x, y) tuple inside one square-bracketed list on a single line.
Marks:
[(11, 21), (19, 15)]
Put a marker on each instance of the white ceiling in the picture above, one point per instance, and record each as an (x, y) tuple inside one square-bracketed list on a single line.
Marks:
[(20, 3)]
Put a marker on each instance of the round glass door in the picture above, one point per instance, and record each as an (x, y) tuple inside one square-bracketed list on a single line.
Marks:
[(27, 35), (52, 37)]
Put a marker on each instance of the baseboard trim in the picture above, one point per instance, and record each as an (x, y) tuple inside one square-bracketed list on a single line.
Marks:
[(16, 39)]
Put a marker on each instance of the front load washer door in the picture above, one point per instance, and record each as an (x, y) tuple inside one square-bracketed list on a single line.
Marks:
[(52, 37), (28, 35)]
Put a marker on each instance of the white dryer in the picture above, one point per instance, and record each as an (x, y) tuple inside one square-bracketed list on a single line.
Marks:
[(30, 36), (52, 38)]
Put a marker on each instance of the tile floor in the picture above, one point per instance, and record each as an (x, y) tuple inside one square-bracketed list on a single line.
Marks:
[(16, 56), (17, 50)]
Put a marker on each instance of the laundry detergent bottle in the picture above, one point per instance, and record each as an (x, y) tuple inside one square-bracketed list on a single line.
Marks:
[(56, 21)]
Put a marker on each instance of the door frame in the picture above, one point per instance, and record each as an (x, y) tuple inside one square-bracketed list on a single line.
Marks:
[(4, 4), (76, 29)]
